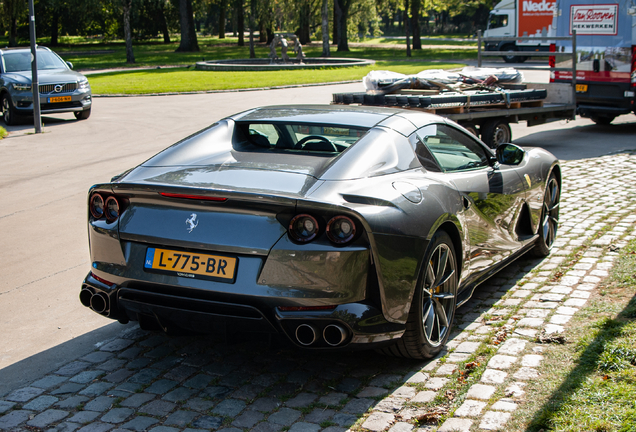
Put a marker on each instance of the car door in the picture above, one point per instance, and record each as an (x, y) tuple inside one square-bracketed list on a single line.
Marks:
[(492, 195)]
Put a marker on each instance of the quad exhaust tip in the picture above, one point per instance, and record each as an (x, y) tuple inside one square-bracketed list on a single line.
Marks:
[(305, 334), (334, 335), (96, 301)]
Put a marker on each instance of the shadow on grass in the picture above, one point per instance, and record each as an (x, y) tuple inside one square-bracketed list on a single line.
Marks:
[(587, 365)]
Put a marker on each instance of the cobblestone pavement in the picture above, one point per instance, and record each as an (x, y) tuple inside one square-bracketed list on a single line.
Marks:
[(146, 381)]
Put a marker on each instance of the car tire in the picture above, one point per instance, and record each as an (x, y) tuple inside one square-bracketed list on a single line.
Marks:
[(433, 307), (470, 127), (82, 115), (511, 57), (9, 114), (495, 132), (603, 120), (549, 222)]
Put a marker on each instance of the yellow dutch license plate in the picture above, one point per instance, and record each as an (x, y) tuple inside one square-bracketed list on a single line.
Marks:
[(59, 99), (581, 88), (192, 265)]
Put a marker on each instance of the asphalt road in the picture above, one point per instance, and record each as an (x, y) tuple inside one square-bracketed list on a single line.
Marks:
[(43, 183)]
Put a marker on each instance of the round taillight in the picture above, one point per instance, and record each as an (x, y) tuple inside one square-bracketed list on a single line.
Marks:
[(303, 228), (112, 209), (341, 229), (96, 206)]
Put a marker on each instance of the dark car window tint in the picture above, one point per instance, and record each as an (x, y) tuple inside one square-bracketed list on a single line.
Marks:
[(452, 149), (302, 137)]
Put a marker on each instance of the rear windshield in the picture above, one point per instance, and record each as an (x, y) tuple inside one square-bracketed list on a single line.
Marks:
[(301, 137), (20, 61)]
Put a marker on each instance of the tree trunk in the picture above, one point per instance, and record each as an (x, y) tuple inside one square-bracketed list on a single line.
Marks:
[(325, 29), (343, 40), (252, 23), (161, 16), (222, 8), (55, 27), (415, 24), (13, 32), (336, 19), (262, 32), (130, 55), (189, 41), (406, 27), (304, 12), (240, 22)]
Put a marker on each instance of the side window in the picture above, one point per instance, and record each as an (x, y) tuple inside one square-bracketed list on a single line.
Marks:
[(453, 150), (497, 21), (426, 159)]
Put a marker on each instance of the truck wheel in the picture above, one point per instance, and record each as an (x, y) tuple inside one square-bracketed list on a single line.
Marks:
[(470, 127), (511, 57), (603, 120), (495, 132)]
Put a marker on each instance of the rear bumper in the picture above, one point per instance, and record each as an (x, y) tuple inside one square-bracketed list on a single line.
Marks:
[(347, 326), (605, 98)]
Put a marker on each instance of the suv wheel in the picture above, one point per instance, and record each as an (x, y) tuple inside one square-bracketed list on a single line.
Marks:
[(8, 111)]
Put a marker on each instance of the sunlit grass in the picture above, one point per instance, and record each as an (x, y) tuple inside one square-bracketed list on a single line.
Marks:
[(184, 80), (589, 384)]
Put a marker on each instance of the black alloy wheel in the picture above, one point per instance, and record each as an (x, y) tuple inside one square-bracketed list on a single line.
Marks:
[(8, 111), (433, 307), (549, 222)]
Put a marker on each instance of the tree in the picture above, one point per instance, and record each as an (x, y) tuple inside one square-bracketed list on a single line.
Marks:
[(342, 6), (188, 33), (252, 24), (127, 6), (415, 24), (222, 8), (406, 27), (325, 29), (240, 21), (13, 10)]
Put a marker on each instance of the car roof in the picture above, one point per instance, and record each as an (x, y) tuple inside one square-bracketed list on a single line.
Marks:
[(344, 115), (8, 49)]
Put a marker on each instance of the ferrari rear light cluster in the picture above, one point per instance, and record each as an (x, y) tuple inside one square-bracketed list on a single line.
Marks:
[(104, 206), (304, 228)]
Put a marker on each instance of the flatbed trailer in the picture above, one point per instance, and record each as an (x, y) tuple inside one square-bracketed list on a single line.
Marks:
[(485, 114)]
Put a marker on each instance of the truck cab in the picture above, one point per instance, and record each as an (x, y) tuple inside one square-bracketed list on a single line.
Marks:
[(519, 18), (606, 55)]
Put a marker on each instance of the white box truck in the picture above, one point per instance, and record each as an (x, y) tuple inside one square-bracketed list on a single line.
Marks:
[(606, 55), (516, 18)]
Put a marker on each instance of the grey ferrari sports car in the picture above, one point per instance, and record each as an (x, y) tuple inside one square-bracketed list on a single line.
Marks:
[(339, 227)]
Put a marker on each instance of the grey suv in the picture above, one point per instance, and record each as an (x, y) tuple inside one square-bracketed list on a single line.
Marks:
[(61, 89)]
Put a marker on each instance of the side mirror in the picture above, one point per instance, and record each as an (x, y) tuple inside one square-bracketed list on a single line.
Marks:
[(509, 154), (69, 64)]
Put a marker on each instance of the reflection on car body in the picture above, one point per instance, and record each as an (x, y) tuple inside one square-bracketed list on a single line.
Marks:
[(340, 227)]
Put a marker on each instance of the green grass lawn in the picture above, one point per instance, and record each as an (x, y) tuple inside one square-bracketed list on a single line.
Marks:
[(92, 54), (185, 80), (589, 383)]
